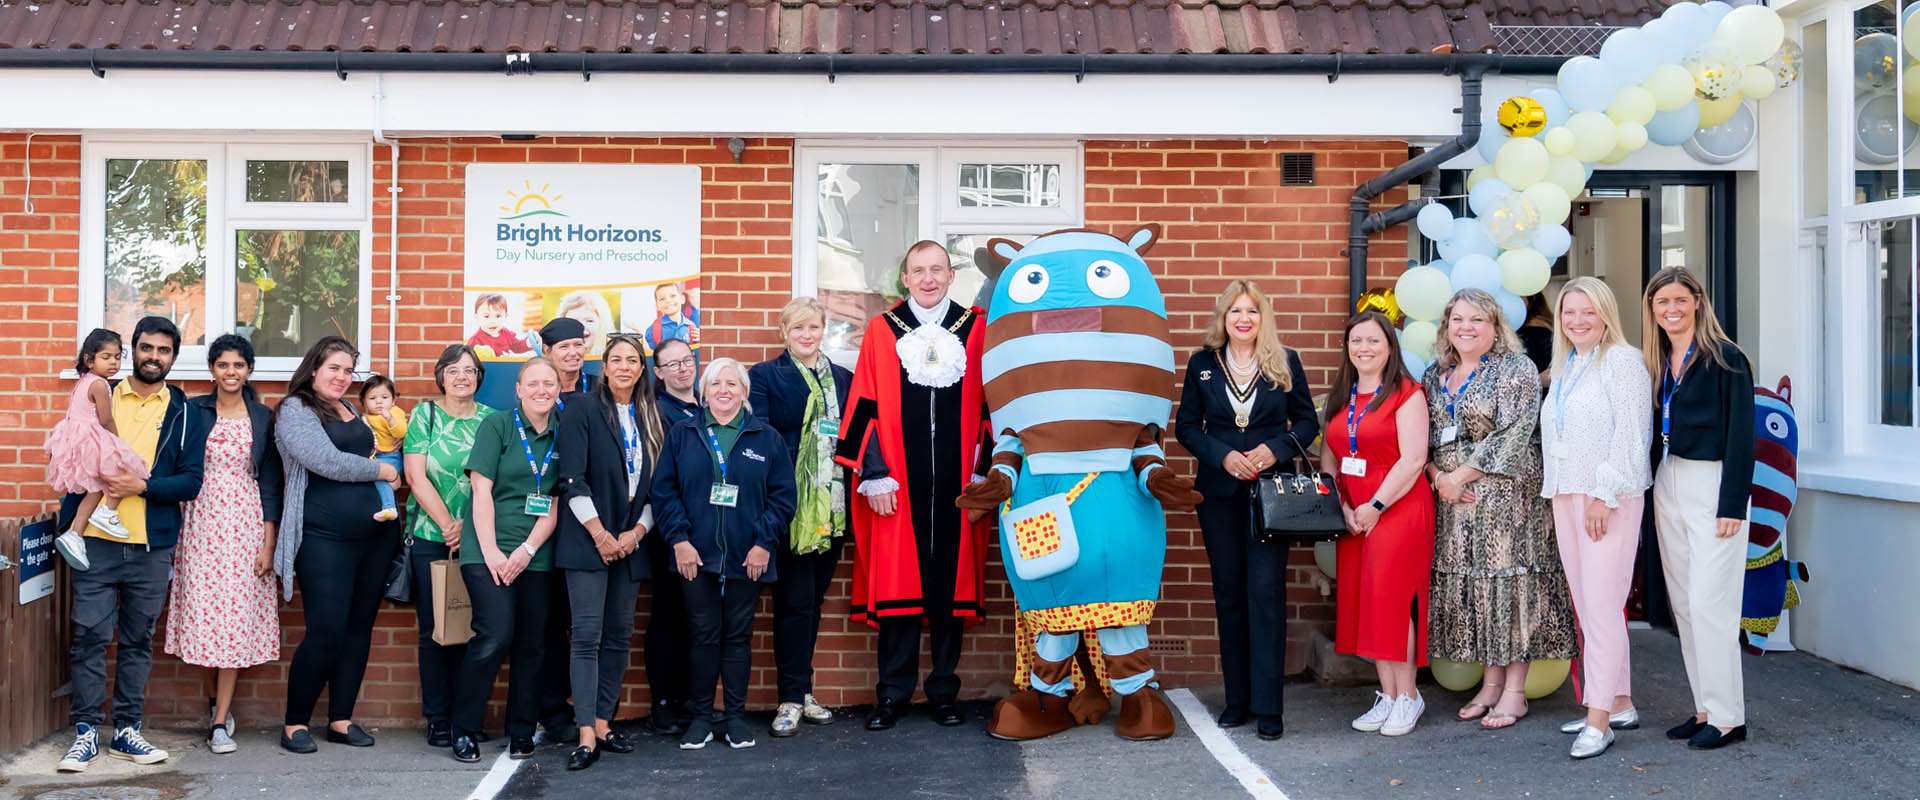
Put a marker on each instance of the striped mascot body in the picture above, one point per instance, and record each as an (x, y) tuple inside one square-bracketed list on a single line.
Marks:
[(1769, 586), (1079, 371)]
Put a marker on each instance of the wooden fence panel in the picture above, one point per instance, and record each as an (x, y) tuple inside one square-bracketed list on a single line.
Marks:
[(34, 641)]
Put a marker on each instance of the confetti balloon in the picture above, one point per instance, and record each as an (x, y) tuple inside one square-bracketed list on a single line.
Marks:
[(1511, 221), (1715, 70), (1876, 59), (1522, 116), (1380, 300), (1785, 63)]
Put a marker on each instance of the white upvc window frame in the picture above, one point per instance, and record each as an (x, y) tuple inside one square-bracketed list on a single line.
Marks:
[(227, 214)]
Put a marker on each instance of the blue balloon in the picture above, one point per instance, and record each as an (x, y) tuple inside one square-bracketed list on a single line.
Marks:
[(1445, 267), (1435, 222), (1553, 241), (1717, 10), (1674, 127), (1469, 238), (1667, 41), (1476, 271), (1630, 52), (1588, 83), (1483, 194), (1492, 136), (1556, 106), (1513, 306), (1415, 364), (1691, 22)]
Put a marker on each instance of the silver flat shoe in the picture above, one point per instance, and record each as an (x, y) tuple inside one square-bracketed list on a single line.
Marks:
[(1623, 721), (1591, 742)]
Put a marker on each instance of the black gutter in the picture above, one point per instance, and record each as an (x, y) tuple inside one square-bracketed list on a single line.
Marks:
[(1364, 224), (829, 64)]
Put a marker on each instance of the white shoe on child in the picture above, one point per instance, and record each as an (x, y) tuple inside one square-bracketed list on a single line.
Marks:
[(106, 520), (73, 548)]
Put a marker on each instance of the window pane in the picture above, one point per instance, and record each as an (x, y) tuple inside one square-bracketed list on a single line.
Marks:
[(1684, 227), (1880, 131), (1010, 185), (156, 248), (974, 270), (296, 181), (1813, 122), (292, 287), (1895, 277), (869, 214)]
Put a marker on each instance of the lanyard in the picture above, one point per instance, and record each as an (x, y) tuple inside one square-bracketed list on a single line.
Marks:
[(630, 438), (540, 469), (1667, 393), (1353, 422), (1560, 390), (1444, 392), (719, 457)]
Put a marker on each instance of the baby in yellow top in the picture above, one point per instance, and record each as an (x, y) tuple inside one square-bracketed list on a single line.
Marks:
[(389, 423)]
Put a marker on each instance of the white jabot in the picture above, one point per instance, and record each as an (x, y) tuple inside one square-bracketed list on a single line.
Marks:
[(928, 316)]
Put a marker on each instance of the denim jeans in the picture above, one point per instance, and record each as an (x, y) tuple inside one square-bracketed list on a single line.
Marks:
[(123, 591), (386, 489)]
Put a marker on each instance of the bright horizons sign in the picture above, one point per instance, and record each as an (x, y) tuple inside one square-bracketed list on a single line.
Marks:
[(604, 221)]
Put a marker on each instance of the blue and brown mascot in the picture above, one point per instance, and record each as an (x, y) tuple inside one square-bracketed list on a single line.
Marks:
[(1079, 372)]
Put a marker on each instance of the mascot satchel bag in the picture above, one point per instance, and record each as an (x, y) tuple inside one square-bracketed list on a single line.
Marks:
[(1040, 534), (1295, 506)]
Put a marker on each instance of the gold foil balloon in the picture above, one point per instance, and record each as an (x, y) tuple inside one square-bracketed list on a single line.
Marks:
[(1380, 300), (1785, 64), (1522, 116)]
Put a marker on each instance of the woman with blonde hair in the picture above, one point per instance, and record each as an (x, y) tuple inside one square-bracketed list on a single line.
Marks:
[(1594, 431), (1703, 479), (1499, 597), (1245, 406), (591, 309)]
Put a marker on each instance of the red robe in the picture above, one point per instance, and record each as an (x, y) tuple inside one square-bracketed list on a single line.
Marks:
[(886, 565)]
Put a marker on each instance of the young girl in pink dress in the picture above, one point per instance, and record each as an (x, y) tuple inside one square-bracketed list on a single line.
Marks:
[(85, 447)]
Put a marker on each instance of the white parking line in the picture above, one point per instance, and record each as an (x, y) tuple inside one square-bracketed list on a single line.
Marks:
[(1250, 775), (496, 778)]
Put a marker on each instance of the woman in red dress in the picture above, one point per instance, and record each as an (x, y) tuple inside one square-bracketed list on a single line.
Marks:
[(1376, 442)]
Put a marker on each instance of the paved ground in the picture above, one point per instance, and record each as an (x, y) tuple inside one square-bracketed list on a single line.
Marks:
[(1818, 731)]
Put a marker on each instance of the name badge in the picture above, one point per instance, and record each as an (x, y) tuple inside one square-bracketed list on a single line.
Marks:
[(539, 505), (725, 495), (1449, 433), (827, 427), (1357, 467)]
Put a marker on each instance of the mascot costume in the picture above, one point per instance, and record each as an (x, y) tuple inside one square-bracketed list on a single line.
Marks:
[(1079, 373), (1770, 576)]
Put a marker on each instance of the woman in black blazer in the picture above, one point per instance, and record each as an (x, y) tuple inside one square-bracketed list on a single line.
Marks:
[(801, 393), (609, 440), (1244, 407)]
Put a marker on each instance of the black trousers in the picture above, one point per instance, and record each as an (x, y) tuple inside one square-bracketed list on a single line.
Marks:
[(506, 619), (900, 657), (603, 603), (438, 663), (556, 713), (797, 595), (341, 581), (1250, 602), (668, 644), (720, 617)]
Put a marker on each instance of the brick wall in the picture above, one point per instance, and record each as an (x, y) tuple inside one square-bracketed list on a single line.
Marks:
[(1225, 215)]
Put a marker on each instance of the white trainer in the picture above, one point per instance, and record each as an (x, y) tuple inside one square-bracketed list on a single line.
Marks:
[(1376, 716), (1591, 742), (107, 520), (1405, 714)]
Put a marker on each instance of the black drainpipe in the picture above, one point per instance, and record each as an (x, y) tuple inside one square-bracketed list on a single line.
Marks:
[(1428, 163)]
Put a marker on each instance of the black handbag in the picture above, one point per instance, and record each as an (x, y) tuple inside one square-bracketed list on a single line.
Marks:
[(400, 573), (1298, 506)]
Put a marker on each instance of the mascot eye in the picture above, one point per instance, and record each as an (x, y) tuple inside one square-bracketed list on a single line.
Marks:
[(1028, 284), (1107, 279), (1777, 425)]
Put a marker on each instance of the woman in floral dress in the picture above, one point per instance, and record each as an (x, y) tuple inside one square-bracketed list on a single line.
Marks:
[(224, 614)]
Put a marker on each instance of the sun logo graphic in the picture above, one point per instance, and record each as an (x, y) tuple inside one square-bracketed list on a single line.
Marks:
[(530, 203)]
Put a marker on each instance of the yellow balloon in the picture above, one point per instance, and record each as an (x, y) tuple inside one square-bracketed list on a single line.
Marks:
[(1634, 104), (1419, 337), (1559, 141), (1521, 162), (1325, 556), (1545, 676), (1567, 173), (1593, 135), (1714, 112), (1671, 85), (1457, 676), (1757, 82), (1522, 116), (1910, 98), (1550, 200), (1478, 174), (1524, 271), (1618, 155), (1751, 32), (1631, 135), (1380, 300)]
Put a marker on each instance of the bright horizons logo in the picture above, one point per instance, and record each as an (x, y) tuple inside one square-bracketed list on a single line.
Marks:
[(522, 199)]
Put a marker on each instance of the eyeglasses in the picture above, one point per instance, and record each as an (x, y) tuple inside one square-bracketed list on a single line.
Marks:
[(460, 372), (679, 364)]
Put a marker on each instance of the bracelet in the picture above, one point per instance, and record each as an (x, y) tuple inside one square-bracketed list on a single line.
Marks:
[(527, 548)]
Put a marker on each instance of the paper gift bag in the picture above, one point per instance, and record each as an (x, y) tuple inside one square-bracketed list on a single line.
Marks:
[(452, 612)]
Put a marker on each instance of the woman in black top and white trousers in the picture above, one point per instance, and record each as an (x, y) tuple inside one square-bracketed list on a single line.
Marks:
[(609, 439), (1244, 407), (1703, 479)]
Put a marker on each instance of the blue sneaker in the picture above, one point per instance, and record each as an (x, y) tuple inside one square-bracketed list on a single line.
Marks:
[(86, 748), (129, 744)]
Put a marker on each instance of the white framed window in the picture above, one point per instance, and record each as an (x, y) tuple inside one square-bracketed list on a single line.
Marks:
[(858, 207), (268, 240)]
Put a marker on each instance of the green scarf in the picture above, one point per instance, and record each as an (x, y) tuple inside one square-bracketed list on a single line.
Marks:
[(821, 513)]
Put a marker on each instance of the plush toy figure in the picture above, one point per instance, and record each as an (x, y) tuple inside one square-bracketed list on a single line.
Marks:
[(1770, 576), (1079, 374)]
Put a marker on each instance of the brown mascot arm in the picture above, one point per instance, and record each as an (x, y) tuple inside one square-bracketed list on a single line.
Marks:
[(1158, 479), (983, 496)]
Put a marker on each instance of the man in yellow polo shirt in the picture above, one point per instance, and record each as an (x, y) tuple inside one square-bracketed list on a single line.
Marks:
[(125, 586)]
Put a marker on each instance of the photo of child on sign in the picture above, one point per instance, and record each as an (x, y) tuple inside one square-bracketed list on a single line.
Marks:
[(676, 313)]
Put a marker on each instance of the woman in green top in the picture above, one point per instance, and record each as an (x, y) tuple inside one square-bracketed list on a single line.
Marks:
[(506, 561), (438, 443)]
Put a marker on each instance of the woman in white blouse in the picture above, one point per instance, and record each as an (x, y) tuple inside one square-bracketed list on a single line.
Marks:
[(1594, 434)]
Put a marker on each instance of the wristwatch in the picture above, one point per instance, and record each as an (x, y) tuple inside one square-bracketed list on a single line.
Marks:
[(1377, 505)]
